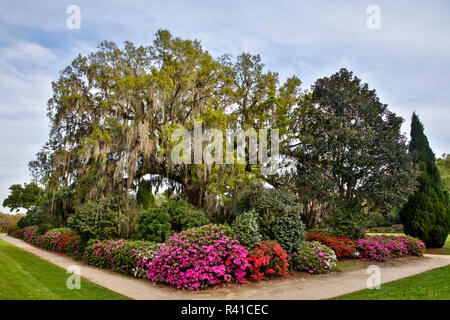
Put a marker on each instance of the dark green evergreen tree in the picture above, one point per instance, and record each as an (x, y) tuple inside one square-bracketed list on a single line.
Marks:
[(144, 195), (425, 215)]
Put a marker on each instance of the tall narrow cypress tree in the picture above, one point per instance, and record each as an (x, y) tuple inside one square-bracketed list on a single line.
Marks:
[(426, 214)]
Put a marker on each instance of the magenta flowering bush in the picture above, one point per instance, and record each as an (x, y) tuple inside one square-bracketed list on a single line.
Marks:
[(29, 233), (75, 248), (384, 247), (199, 258)]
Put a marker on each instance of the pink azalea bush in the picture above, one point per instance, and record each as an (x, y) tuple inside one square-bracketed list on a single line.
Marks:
[(199, 258), (384, 247), (74, 247), (313, 257), (117, 255), (29, 233)]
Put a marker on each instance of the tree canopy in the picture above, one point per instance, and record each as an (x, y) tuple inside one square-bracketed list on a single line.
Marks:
[(113, 113), (350, 147)]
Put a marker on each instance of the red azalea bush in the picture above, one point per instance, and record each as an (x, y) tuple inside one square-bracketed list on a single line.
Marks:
[(344, 247), (29, 233), (268, 259)]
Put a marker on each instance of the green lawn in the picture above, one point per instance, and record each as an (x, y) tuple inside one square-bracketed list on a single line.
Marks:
[(24, 276), (430, 285)]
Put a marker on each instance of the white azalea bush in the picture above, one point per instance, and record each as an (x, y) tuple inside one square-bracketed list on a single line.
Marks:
[(313, 258)]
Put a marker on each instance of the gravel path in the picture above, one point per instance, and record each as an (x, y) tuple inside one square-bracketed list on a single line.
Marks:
[(300, 287)]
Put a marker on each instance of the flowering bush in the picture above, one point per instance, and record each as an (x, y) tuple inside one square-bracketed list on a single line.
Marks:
[(313, 257), (74, 247), (29, 233), (384, 247), (55, 239), (268, 259), (415, 246), (117, 255), (198, 258), (343, 247)]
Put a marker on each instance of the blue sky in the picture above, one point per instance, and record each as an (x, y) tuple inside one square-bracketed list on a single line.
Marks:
[(407, 61)]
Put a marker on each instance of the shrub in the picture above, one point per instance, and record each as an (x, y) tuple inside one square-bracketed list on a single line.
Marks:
[(156, 224), (144, 195), (183, 216), (269, 204), (343, 247), (55, 240), (384, 247), (75, 247), (117, 255), (415, 246), (426, 214), (313, 257), (267, 260), (247, 229), (110, 218), (347, 222), (153, 225), (44, 227), (16, 232), (199, 258), (29, 233), (289, 231)]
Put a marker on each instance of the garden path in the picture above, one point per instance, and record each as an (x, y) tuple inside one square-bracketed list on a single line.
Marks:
[(308, 287)]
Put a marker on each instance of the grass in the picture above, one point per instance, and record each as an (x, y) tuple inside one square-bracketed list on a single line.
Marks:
[(348, 265), (430, 285), (24, 276)]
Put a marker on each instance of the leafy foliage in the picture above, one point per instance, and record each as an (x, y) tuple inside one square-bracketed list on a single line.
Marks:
[(156, 224), (426, 214), (247, 229), (110, 218), (117, 255), (113, 112), (268, 204), (144, 195), (313, 257), (22, 197), (289, 232), (351, 147), (348, 222)]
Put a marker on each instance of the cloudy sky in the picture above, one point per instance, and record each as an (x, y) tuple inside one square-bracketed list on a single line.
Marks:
[(407, 60)]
